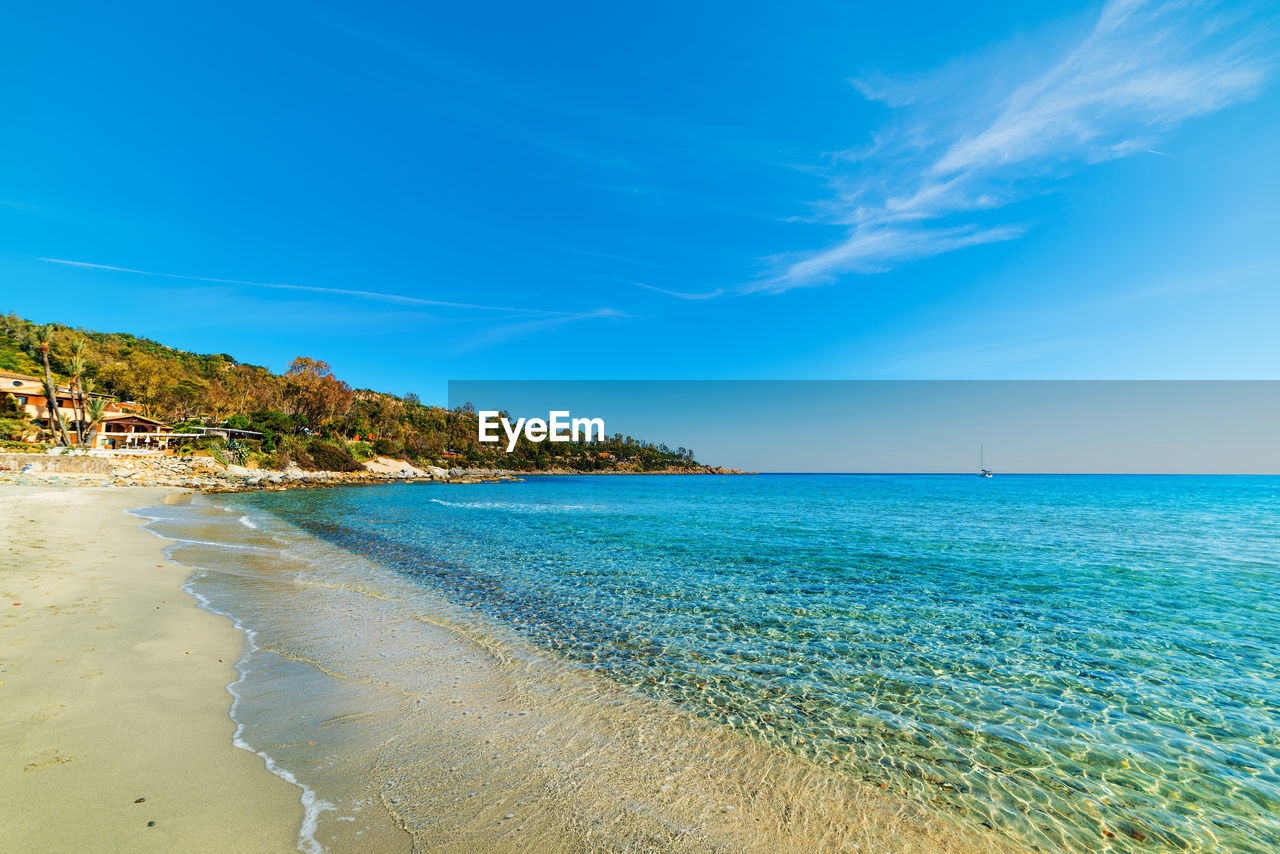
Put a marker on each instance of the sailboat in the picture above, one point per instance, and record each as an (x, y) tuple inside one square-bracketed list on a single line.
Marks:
[(982, 464)]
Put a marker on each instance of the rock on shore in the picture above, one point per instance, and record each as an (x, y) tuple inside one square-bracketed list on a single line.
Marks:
[(208, 475)]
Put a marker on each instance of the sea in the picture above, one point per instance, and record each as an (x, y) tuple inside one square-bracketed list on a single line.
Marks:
[(1037, 662)]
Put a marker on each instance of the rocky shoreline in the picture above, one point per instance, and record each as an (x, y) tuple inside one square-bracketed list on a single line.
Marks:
[(206, 474)]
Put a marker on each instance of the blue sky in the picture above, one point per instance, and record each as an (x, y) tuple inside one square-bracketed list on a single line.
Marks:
[(749, 190)]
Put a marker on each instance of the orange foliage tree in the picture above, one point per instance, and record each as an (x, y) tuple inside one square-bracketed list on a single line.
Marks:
[(312, 391)]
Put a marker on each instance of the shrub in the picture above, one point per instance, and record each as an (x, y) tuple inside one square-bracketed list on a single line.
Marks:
[(237, 451), (275, 421), (360, 450), (327, 456), (199, 443), (275, 458), (23, 447), (291, 449), (9, 408), (14, 429)]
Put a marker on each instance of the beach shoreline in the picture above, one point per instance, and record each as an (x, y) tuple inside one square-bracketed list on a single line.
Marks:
[(206, 475), (116, 688), (115, 711), (430, 726)]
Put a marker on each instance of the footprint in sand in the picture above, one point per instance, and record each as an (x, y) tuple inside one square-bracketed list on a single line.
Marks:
[(94, 675), (45, 760), (105, 626), (48, 713)]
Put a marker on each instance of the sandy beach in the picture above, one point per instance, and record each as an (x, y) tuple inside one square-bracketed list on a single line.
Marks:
[(113, 701)]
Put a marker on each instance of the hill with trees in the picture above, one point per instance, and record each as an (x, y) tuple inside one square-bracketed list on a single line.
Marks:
[(306, 415)]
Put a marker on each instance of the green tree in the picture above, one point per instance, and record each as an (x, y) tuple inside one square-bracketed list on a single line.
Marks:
[(96, 410), (44, 336), (76, 367)]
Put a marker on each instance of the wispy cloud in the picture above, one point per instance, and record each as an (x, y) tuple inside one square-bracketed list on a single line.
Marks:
[(360, 294), (870, 250), (682, 294), (937, 178), (500, 333), (485, 331)]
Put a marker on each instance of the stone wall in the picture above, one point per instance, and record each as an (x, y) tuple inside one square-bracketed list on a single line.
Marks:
[(62, 464)]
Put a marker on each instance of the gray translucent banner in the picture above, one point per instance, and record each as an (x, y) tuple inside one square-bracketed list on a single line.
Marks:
[(1138, 427)]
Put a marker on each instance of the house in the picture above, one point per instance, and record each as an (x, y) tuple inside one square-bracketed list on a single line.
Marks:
[(29, 393), (122, 425), (127, 431)]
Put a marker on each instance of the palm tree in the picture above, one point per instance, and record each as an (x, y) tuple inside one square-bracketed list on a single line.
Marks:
[(97, 409), (77, 364), (43, 335)]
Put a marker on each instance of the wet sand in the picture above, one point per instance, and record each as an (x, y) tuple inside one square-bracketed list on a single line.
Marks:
[(113, 703)]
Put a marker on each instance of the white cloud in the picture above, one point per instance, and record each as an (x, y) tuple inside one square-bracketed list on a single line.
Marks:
[(517, 322), (498, 334), (953, 150), (876, 248), (685, 295), (361, 294)]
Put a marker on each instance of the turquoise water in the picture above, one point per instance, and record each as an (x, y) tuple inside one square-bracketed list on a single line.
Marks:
[(1083, 663)]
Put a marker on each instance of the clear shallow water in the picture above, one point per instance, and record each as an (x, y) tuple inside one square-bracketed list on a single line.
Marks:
[(1081, 663)]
